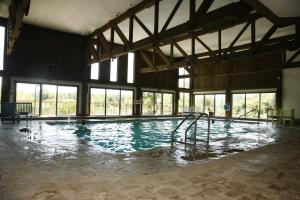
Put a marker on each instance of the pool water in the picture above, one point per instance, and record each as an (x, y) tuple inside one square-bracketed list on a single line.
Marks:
[(138, 135)]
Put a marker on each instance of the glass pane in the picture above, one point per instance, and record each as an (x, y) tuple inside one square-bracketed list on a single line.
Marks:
[(113, 69), (167, 104), (112, 102), (126, 102), (0, 90), (186, 99), (95, 71), (209, 104), (199, 103), (252, 105), (48, 100), (2, 41), (238, 105), (158, 104), (130, 69), (219, 107), (268, 101), (66, 100), (29, 93), (180, 102), (97, 102), (184, 83), (148, 103), (182, 71)]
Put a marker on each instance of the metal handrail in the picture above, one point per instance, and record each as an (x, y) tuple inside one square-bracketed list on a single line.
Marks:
[(188, 116), (195, 131), (258, 116)]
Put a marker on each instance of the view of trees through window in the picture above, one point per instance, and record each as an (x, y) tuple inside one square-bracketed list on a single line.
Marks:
[(210, 103), (250, 103), (184, 101), (2, 41), (156, 103), (55, 100), (111, 102)]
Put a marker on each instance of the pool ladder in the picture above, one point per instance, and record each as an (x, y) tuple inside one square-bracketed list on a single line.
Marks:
[(195, 118)]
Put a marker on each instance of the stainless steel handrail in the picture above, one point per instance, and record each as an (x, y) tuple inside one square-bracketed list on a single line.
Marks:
[(258, 114), (195, 130), (188, 116)]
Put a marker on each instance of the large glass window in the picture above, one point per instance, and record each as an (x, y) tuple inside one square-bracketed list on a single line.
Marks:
[(209, 103), (247, 105), (95, 71), (184, 101), (268, 101), (148, 103), (130, 68), (114, 69), (2, 41), (97, 101), (167, 104), (219, 105), (29, 93), (112, 102), (158, 104), (238, 105), (49, 100), (252, 105), (199, 103), (126, 102), (183, 82), (66, 100)]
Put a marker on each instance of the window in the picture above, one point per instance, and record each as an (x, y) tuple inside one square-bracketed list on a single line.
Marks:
[(184, 101), (126, 102), (29, 93), (219, 104), (210, 103), (252, 105), (66, 100), (130, 68), (246, 105), (113, 69), (238, 105), (97, 101), (268, 101), (167, 104), (2, 42), (183, 82), (48, 100), (112, 102), (0, 91), (95, 71), (157, 103), (148, 103)]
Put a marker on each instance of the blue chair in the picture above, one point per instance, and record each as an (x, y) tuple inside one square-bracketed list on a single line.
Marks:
[(8, 112)]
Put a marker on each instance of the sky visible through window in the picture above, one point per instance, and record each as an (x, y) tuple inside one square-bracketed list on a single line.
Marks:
[(113, 69), (130, 70), (2, 40), (95, 71)]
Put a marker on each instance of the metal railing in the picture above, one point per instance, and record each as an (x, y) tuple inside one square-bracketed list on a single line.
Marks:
[(195, 135), (251, 111), (179, 125), (194, 123)]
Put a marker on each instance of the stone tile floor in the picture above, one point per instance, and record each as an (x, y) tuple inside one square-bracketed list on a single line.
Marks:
[(271, 172)]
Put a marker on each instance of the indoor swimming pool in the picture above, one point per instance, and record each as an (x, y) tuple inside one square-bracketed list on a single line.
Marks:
[(127, 136)]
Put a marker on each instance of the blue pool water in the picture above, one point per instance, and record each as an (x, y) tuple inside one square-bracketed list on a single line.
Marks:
[(137, 135)]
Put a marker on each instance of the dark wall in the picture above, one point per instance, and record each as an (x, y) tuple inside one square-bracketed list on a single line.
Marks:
[(43, 53), (249, 73)]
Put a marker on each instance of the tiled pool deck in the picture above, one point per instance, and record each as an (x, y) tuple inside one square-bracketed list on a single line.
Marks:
[(30, 170)]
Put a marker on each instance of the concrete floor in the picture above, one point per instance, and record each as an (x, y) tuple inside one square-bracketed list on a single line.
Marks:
[(28, 170)]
